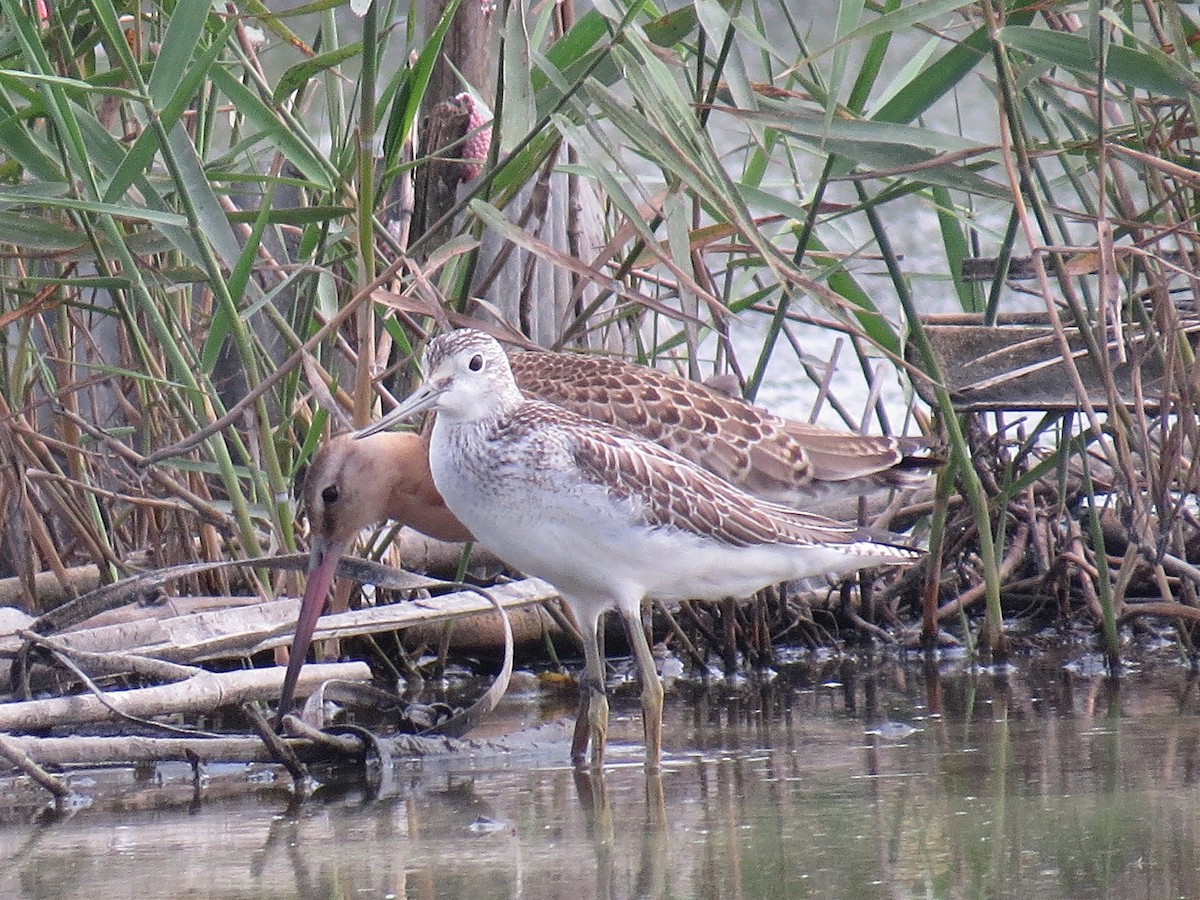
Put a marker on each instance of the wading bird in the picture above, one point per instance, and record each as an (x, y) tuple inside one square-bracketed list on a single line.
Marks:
[(352, 485), (607, 517)]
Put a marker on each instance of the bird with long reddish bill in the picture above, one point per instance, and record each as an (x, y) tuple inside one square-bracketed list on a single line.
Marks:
[(351, 485), (608, 518)]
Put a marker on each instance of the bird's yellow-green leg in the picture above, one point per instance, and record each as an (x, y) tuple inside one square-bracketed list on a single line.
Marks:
[(583, 729), (598, 719), (591, 719), (652, 689)]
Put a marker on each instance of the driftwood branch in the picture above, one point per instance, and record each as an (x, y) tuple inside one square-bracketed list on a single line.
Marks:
[(146, 585), (99, 751), (200, 694), (242, 631), (49, 588), (99, 664), (379, 619)]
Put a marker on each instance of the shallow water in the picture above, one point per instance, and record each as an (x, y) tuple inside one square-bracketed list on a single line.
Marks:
[(829, 781)]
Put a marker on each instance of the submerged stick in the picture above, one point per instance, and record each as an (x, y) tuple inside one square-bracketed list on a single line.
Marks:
[(89, 750), (19, 758), (276, 746)]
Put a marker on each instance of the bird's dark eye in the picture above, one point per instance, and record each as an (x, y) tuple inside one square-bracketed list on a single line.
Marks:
[(476, 363), (330, 494)]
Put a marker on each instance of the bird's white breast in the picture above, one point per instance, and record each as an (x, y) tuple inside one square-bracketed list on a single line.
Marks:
[(526, 502)]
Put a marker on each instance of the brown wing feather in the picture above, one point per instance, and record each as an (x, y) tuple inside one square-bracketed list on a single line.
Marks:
[(700, 424), (675, 494), (737, 441)]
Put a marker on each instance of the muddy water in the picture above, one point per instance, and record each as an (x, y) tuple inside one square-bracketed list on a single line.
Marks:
[(833, 780)]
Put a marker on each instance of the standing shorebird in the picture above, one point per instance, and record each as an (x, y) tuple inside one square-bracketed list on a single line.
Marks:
[(608, 518), (353, 484)]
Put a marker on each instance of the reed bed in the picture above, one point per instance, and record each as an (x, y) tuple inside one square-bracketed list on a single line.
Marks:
[(208, 260)]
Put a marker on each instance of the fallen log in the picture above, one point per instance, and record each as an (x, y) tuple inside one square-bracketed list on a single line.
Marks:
[(200, 694), (88, 750), (242, 631), (396, 616)]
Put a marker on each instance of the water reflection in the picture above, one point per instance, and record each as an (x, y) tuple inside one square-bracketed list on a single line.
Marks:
[(832, 781)]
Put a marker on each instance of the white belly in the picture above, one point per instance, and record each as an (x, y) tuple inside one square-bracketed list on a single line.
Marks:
[(567, 532)]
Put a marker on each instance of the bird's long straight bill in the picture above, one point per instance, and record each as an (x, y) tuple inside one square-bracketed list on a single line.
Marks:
[(322, 566), (323, 561), (423, 398)]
